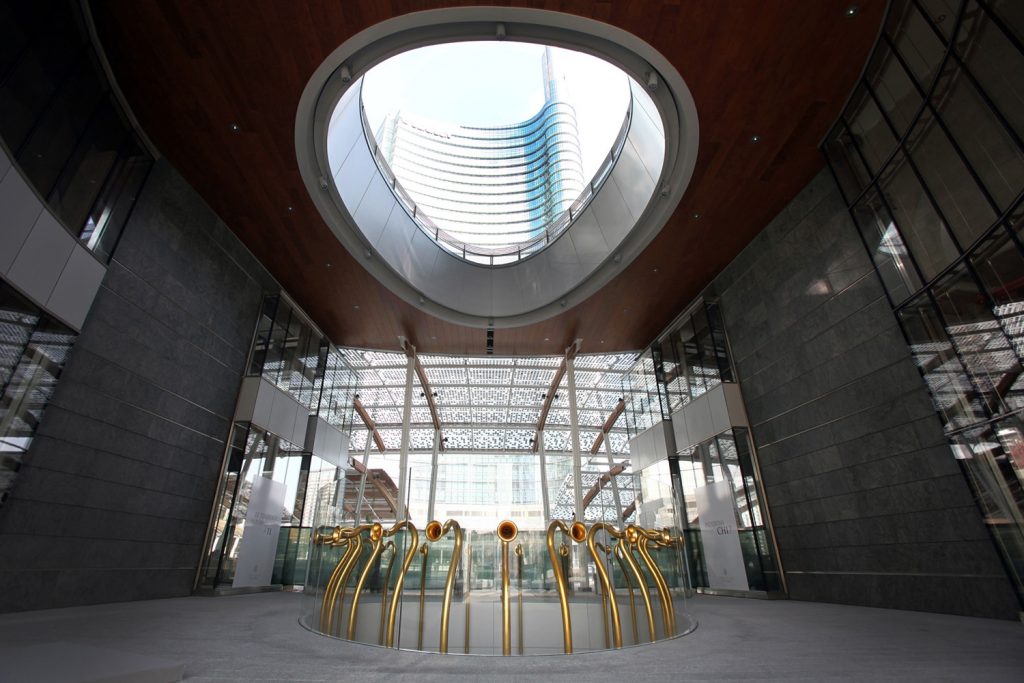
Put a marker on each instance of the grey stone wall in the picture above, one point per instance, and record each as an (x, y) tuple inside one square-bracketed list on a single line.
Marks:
[(113, 500), (869, 505)]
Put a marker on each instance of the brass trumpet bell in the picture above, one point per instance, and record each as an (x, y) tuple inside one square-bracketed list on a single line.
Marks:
[(507, 531)]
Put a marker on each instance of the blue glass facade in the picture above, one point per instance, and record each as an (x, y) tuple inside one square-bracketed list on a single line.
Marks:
[(494, 188)]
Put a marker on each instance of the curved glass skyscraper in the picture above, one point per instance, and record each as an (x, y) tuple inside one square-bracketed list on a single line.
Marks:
[(492, 188)]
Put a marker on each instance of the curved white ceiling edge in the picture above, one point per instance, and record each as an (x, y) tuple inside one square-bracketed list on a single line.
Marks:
[(342, 69)]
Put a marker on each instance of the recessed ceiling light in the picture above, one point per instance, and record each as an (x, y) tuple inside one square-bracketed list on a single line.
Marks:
[(547, 338), (328, 265), (654, 269), (289, 209), (852, 10), (356, 307), (754, 139), (696, 216), (235, 128)]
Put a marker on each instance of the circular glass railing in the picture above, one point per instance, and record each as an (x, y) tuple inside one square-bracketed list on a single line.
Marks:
[(564, 589)]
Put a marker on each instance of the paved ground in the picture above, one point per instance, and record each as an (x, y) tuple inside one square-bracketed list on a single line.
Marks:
[(257, 638)]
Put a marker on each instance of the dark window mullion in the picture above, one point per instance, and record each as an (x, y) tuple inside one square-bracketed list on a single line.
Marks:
[(936, 30), (998, 21), (917, 173), (892, 217), (860, 155), (927, 103), (867, 247)]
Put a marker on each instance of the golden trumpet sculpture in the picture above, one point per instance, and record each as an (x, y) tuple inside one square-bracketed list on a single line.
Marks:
[(390, 545), (507, 532), (396, 598), (578, 533), (617, 552), (365, 546), (606, 584), (643, 537), (377, 541), (424, 551), (334, 592), (629, 540), (435, 532)]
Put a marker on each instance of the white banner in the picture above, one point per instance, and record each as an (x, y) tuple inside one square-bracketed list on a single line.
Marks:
[(722, 554), (258, 547)]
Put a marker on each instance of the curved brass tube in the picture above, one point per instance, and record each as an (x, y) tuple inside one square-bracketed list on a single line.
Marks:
[(390, 545), (349, 538), (560, 582), (667, 610), (414, 539), (604, 604), (332, 537), (519, 578), (424, 551), (377, 539), (606, 586), (434, 532), (507, 532), (624, 549), (617, 553)]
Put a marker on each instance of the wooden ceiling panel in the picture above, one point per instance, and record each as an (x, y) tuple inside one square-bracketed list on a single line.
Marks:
[(780, 70)]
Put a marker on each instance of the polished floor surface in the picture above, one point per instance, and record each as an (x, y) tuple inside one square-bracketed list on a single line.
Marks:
[(257, 638)]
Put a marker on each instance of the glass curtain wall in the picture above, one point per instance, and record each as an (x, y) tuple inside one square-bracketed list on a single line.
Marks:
[(62, 124), (292, 355), (929, 155), (33, 350), (692, 359)]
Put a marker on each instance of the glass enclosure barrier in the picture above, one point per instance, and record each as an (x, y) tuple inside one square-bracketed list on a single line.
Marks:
[(441, 588)]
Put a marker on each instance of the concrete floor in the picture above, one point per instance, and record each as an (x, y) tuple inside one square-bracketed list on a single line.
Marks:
[(257, 638)]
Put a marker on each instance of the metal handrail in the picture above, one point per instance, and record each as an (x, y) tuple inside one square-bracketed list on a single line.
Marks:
[(521, 250)]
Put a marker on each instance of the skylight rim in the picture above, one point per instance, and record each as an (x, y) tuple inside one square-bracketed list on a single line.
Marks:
[(674, 110)]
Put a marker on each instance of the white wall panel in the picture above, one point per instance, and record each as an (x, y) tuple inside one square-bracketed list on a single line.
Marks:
[(375, 211), (633, 181), (76, 287), (42, 258), (20, 208)]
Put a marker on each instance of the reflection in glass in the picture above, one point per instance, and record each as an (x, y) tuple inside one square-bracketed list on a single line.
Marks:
[(964, 207), (980, 341), (886, 246), (922, 229), (33, 350)]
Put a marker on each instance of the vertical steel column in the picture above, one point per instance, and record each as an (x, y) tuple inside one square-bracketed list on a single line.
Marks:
[(362, 479), (574, 426), (543, 477), (433, 475), (614, 483), (403, 459)]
